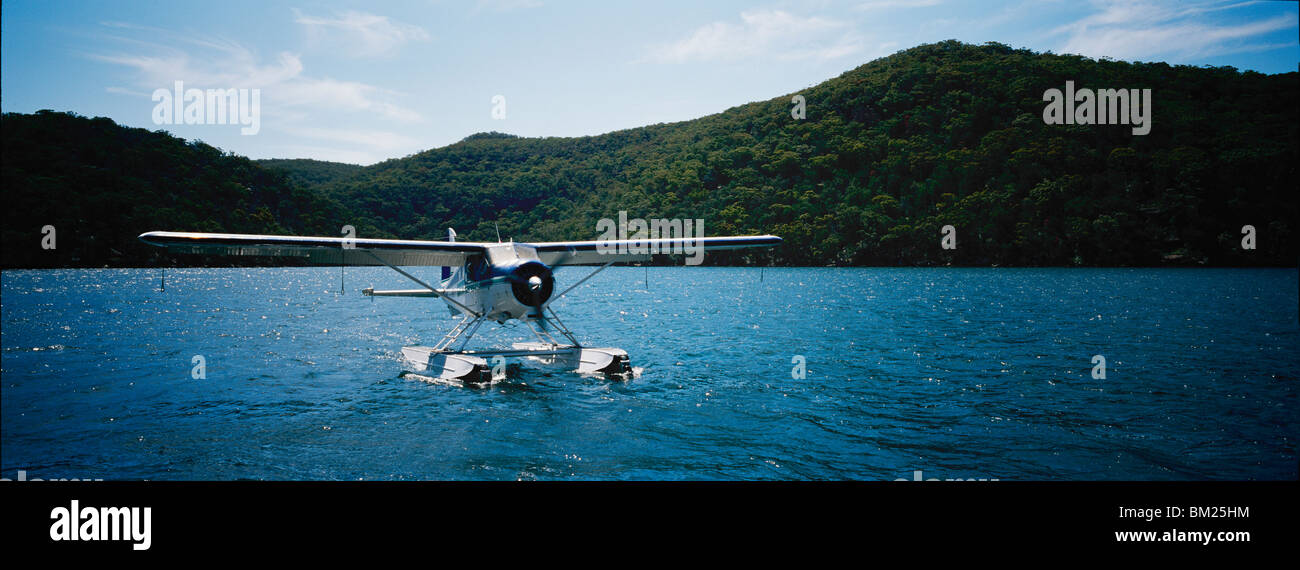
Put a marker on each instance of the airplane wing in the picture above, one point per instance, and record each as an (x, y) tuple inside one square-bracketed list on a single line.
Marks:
[(600, 252), (333, 250), (324, 250)]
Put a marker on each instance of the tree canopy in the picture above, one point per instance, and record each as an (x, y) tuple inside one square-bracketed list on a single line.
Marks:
[(885, 156)]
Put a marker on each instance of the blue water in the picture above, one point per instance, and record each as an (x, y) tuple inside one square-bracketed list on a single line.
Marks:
[(953, 373)]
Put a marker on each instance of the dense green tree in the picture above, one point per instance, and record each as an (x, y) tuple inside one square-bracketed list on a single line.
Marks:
[(99, 185), (888, 154)]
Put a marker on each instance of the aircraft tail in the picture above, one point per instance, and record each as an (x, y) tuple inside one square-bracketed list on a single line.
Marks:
[(447, 271)]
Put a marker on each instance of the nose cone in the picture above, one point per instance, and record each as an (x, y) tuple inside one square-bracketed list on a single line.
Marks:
[(531, 283)]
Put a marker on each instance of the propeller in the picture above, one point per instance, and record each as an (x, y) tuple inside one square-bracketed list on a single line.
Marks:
[(541, 288), (532, 284)]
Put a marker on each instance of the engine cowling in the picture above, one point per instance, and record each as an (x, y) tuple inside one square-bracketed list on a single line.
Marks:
[(532, 283)]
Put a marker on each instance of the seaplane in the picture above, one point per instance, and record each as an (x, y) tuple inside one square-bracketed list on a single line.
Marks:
[(480, 282)]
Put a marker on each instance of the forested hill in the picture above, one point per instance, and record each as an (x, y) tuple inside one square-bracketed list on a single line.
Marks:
[(887, 155), (89, 187), (309, 172)]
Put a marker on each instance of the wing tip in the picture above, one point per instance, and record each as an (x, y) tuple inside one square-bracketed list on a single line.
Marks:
[(151, 238)]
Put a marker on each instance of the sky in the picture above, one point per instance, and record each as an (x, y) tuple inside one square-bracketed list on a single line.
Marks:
[(369, 81)]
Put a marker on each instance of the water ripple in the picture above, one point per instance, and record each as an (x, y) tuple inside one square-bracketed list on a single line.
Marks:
[(959, 373)]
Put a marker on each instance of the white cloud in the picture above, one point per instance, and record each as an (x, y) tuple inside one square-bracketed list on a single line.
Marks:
[(1145, 30), (871, 5), (282, 82), (762, 33), (358, 34), (293, 101), (506, 5)]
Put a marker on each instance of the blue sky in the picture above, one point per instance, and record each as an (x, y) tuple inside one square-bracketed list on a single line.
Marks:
[(364, 82)]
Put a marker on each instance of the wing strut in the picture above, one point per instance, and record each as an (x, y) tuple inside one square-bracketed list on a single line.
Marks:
[(425, 285), (584, 280)]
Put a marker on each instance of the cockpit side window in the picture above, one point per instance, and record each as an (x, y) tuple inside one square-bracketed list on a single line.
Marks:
[(478, 268)]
